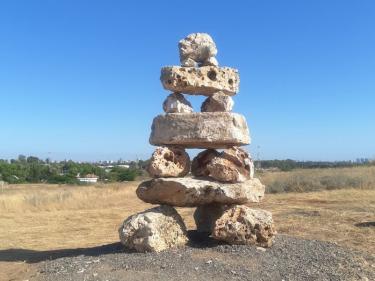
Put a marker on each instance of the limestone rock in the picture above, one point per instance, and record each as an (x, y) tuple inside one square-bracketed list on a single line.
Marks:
[(190, 192), (211, 61), (205, 80), (226, 171), (217, 102), (241, 225), (231, 165), (153, 230), (200, 130), (238, 156), (200, 162), (169, 162), (205, 216), (197, 48), (176, 103)]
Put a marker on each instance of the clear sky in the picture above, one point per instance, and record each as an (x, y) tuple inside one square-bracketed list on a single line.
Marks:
[(80, 79)]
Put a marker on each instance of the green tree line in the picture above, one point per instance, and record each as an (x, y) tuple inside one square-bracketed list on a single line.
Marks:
[(34, 170)]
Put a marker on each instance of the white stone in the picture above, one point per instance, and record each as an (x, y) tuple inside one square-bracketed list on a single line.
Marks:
[(240, 224), (197, 47), (218, 102), (211, 61), (205, 80), (153, 230), (200, 130), (176, 103), (190, 192), (233, 164), (169, 162)]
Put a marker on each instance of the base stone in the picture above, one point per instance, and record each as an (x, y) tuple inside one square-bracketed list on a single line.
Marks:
[(240, 224), (191, 192), (153, 230), (200, 130)]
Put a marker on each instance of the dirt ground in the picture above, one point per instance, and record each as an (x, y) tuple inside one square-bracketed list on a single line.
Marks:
[(38, 220)]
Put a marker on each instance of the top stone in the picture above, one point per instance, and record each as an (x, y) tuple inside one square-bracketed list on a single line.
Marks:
[(197, 49)]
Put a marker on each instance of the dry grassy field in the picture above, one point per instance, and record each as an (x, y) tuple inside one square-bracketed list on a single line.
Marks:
[(44, 217)]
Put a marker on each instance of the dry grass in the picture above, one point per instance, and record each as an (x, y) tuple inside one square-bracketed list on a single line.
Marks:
[(47, 217), (44, 217), (305, 180)]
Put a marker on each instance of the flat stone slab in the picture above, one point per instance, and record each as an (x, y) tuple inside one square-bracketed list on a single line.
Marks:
[(190, 192), (200, 130), (205, 80)]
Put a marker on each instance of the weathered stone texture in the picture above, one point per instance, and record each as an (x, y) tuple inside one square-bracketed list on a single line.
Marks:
[(218, 102), (153, 230), (176, 103), (242, 225), (200, 130), (226, 171), (169, 162), (231, 165), (205, 80), (200, 162), (197, 49), (184, 192)]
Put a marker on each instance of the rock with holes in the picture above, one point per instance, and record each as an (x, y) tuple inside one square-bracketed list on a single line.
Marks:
[(240, 224), (200, 130), (231, 165), (176, 103), (200, 162), (153, 230), (205, 216), (190, 192), (205, 80), (241, 158), (224, 170), (218, 102), (197, 49), (169, 162)]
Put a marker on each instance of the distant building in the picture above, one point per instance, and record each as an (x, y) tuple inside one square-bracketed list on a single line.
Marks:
[(90, 178)]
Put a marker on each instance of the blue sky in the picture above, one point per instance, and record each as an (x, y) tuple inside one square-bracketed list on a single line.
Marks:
[(80, 79)]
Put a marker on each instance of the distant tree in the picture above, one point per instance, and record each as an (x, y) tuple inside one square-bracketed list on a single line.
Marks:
[(32, 159), (22, 158)]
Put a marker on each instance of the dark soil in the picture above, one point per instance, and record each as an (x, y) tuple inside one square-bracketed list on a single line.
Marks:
[(204, 259)]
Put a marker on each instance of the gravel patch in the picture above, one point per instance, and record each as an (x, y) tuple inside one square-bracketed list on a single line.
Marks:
[(204, 259)]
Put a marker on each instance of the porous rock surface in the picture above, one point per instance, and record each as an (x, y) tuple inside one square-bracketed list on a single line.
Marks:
[(224, 170), (200, 130), (205, 80), (240, 224), (197, 48), (176, 103), (153, 230), (169, 162), (218, 102), (191, 192), (200, 162), (231, 165)]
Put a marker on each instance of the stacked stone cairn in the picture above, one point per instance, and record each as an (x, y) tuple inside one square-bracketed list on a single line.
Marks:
[(222, 175)]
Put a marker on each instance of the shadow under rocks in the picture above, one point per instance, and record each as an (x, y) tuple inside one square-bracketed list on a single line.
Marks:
[(366, 224), (201, 240), (32, 256), (196, 240)]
